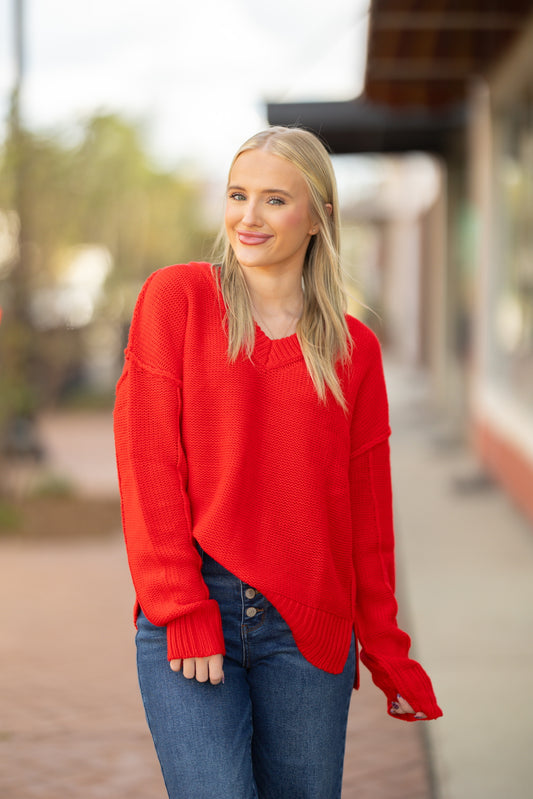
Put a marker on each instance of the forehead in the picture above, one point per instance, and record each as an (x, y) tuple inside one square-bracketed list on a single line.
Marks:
[(260, 168)]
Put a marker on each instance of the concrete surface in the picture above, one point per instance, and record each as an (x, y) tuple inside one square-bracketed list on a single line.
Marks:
[(465, 556), (71, 719)]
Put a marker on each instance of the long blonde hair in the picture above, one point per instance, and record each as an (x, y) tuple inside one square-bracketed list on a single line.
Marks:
[(322, 330)]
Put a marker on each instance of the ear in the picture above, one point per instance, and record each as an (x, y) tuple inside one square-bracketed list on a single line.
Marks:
[(316, 226)]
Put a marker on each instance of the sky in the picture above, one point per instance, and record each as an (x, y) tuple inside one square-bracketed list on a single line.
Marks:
[(196, 75)]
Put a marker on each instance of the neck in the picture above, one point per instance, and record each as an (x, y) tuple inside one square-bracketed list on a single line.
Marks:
[(275, 293), (277, 301)]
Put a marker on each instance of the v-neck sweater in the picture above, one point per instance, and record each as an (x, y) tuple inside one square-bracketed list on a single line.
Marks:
[(289, 493)]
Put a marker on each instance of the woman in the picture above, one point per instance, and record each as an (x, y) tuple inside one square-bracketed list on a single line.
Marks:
[(252, 431)]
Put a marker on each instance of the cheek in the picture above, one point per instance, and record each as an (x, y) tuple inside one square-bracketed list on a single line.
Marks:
[(229, 218), (297, 223)]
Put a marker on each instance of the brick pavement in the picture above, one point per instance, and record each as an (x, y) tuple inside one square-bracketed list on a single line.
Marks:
[(71, 721)]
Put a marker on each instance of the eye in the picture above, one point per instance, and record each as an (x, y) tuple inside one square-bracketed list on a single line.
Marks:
[(237, 195), (275, 201)]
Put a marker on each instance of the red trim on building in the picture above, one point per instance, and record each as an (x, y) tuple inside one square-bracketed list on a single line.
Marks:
[(505, 463)]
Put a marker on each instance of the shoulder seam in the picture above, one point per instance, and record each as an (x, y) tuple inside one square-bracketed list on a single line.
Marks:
[(383, 436), (130, 356)]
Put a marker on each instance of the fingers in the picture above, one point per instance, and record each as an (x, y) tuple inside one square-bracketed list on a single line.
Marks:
[(191, 668), (216, 669), (402, 706), (202, 669)]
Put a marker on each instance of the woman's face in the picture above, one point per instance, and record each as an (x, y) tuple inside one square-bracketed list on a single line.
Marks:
[(268, 212)]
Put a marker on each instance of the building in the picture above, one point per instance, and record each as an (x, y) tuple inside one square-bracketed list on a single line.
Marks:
[(455, 80)]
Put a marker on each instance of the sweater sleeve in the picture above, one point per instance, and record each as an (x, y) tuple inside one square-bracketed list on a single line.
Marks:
[(384, 646), (152, 468)]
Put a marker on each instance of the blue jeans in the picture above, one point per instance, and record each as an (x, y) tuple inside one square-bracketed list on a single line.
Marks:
[(275, 729)]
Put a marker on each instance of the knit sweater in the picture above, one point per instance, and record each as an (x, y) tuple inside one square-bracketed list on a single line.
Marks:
[(290, 494)]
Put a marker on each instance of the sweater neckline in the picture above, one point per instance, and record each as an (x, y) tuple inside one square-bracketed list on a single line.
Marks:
[(270, 353)]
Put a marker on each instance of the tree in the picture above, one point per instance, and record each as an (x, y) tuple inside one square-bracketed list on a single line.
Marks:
[(105, 191)]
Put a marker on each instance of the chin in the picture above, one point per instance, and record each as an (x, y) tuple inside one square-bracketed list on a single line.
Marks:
[(246, 259)]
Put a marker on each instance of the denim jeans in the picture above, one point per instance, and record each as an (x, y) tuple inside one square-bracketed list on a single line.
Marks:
[(276, 727)]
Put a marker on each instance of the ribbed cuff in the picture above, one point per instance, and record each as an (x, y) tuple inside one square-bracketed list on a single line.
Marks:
[(196, 634), (408, 679)]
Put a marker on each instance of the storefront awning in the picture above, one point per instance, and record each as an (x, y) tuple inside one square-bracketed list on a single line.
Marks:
[(423, 56), (359, 127), (425, 53)]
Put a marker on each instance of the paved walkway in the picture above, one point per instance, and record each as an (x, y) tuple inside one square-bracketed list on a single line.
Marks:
[(72, 726), (71, 721), (465, 557)]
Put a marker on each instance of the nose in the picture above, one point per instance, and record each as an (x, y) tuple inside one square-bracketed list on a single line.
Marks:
[(252, 216)]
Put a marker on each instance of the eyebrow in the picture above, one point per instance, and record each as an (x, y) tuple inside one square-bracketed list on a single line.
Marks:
[(264, 191)]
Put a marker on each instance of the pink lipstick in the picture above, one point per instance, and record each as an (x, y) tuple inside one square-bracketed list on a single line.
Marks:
[(252, 238)]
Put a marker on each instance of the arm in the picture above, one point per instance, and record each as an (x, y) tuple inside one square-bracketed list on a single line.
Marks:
[(385, 647), (152, 468)]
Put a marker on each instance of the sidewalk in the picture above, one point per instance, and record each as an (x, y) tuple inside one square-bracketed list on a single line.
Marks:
[(71, 720), (465, 560)]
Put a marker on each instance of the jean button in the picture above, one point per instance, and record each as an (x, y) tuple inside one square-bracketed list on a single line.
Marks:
[(250, 612), (250, 593)]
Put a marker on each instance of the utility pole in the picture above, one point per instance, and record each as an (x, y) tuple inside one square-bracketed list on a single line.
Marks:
[(20, 61), (18, 401), (19, 150)]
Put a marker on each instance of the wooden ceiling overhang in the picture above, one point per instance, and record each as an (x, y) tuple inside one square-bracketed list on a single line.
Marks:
[(422, 57), (425, 53)]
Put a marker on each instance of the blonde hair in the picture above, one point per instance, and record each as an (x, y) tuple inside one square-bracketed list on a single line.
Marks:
[(322, 330)]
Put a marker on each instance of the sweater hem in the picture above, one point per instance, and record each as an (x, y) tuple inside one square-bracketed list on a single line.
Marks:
[(322, 638)]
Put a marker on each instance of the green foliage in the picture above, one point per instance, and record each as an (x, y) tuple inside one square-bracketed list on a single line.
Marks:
[(10, 517), (105, 191), (51, 485)]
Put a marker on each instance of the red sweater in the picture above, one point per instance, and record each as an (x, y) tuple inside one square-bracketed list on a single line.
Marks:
[(289, 494)]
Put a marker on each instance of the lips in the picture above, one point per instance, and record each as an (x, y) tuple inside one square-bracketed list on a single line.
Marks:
[(252, 238)]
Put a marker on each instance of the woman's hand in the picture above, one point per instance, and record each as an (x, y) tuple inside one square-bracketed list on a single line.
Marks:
[(401, 706), (203, 669)]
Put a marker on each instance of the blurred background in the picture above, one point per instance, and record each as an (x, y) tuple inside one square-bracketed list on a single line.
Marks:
[(117, 124)]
